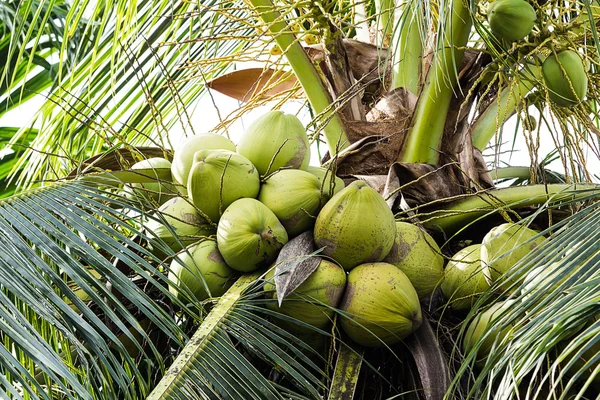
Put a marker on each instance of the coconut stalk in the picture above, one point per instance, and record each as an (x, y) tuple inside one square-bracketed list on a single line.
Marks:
[(385, 18), (424, 138), (407, 57), (305, 72)]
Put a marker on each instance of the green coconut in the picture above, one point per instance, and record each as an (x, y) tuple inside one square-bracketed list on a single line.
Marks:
[(313, 301), (356, 226), (329, 184), (381, 304), (418, 256), (295, 198), (503, 247), (565, 77), (181, 217), (160, 191), (201, 261), (218, 178), (463, 278), (183, 157), (485, 323), (79, 292), (511, 19), (275, 140), (249, 235)]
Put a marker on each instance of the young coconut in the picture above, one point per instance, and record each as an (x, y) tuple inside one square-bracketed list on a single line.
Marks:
[(511, 20), (274, 141), (182, 218), (183, 158), (218, 178), (313, 301), (503, 247), (485, 324), (201, 261), (418, 256), (382, 305), (159, 191), (295, 198), (356, 226), (249, 235), (565, 78), (328, 183), (463, 278)]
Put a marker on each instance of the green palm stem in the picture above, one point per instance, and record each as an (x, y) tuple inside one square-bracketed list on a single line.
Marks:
[(486, 126), (385, 19), (306, 74), (458, 215), (407, 57), (510, 173), (425, 136)]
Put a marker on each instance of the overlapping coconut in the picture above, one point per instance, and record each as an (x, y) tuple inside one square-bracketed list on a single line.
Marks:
[(295, 198), (159, 191), (218, 178), (275, 140), (463, 278), (249, 235), (381, 306), (329, 183), (201, 270), (418, 256), (356, 226)]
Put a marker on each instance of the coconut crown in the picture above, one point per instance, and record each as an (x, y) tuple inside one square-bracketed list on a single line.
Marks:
[(356, 226), (313, 301), (275, 140), (381, 306), (202, 270), (565, 77), (249, 235), (511, 20), (218, 178)]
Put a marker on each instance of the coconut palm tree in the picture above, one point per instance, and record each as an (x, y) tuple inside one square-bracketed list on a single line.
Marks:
[(406, 95)]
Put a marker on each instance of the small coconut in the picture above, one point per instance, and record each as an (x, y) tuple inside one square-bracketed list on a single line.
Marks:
[(485, 323), (249, 235), (160, 191), (418, 256), (463, 278), (275, 140), (198, 262), (381, 304), (503, 247), (218, 178), (182, 218), (295, 198), (356, 226), (79, 292), (313, 301), (329, 183), (183, 157)]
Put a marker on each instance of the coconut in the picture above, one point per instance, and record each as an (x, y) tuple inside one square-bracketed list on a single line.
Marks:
[(511, 19), (79, 292), (218, 178), (249, 235), (329, 183), (504, 246), (381, 305), (183, 219), (565, 78), (295, 198), (183, 158), (159, 191), (482, 324), (275, 140), (199, 268), (418, 256), (356, 226), (463, 278), (314, 300)]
